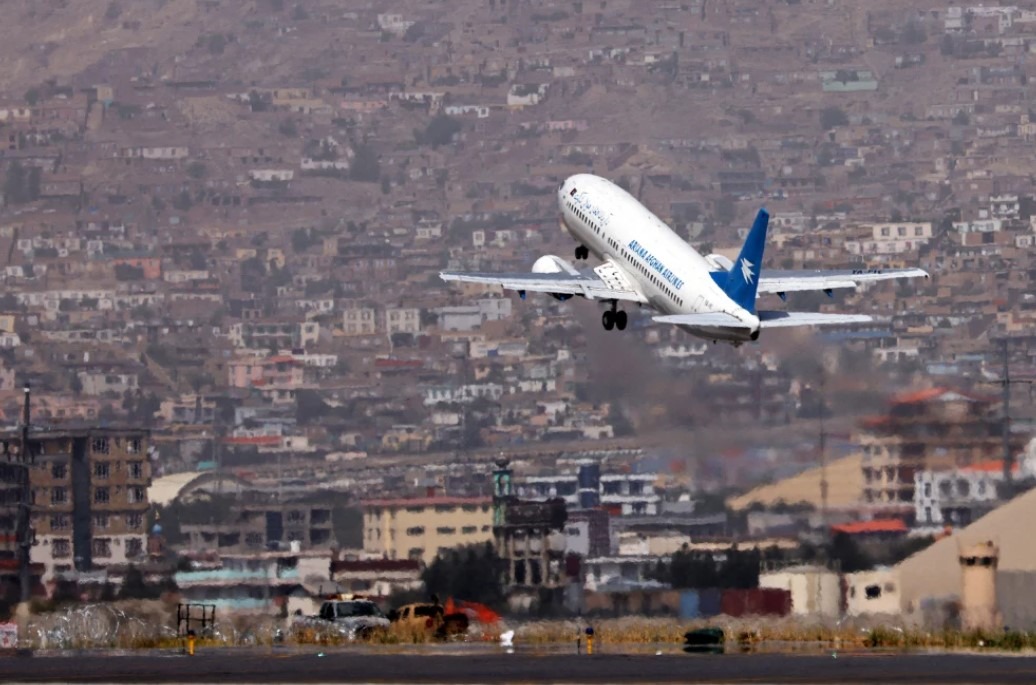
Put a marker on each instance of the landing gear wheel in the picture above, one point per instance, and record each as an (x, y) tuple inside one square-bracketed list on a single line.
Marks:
[(608, 320), (621, 320), (582, 252)]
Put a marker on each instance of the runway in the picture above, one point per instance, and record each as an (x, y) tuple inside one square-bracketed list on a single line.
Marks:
[(262, 666)]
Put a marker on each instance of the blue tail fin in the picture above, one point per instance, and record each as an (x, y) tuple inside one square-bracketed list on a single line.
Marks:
[(742, 280)]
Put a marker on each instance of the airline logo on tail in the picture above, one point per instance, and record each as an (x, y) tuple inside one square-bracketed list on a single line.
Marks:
[(746, 270)]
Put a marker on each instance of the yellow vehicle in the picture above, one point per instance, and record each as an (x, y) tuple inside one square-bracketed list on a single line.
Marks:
[(430, 617)]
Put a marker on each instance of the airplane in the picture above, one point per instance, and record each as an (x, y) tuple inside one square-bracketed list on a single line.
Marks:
[(645, 262)]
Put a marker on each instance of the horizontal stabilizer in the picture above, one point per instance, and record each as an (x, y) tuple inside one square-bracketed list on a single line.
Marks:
[(705, 320), (779, 319), (783, 281)]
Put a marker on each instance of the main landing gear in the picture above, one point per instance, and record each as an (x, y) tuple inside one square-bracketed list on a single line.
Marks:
[(582, 252), (614, 318)]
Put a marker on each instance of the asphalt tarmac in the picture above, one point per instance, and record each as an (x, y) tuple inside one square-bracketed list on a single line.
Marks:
[(262, 666)]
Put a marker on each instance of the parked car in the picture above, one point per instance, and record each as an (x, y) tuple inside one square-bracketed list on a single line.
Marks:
[(354, 617), (431, 617)]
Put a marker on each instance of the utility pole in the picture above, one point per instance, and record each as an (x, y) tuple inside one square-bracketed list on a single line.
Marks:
[(24, 526), (823, 452), (1005, 382)]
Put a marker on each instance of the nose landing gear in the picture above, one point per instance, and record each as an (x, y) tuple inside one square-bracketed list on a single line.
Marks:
[(582, 252)]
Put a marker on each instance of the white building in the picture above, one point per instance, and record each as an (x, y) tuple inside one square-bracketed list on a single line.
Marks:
[(873, 593), (815, 590)]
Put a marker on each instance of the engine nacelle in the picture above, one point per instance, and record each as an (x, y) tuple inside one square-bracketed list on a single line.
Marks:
[(552, 264), (719, 262)]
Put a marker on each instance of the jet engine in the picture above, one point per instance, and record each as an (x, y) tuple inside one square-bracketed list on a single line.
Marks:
[(552, 264), (719, 262)]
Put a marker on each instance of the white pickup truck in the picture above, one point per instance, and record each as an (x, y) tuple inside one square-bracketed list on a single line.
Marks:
[(354, 618)]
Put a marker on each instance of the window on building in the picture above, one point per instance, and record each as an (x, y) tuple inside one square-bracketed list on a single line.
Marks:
[(100, 521), (102, 548), (415, 553), (416, 530), (59, 522), (59, 471), (469, 530), (101, 469), (58, 495), (61, 548), (134, 446), (135, 521), (136, 469), (100, 446), (101, 496), (446, 530), (134, 547), (136, 494)]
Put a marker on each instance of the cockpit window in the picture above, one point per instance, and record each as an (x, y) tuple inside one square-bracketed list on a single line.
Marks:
[(573, 193)]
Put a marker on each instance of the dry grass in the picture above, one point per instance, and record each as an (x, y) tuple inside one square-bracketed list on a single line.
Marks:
[(150, 625)]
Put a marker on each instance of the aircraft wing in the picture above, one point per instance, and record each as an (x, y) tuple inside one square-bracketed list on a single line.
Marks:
[(588, 285), (776, 281)]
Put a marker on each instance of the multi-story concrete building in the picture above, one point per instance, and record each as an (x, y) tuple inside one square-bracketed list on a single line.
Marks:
[(89, 492), (619, 493), (420, 528), (936, 429), (258, 522), (403, 320), (359, 320)]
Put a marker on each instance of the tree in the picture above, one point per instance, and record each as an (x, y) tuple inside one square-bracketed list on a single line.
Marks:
[(472, 572), (726, 210), (843, 548), (134, 586), (21, 185), (32, 96), (914, 33), (365, 166), (182, 202), (439, 131), (288, 128), (253, 275), (831, 117)]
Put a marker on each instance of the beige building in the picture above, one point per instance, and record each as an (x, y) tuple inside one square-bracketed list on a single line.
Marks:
[(932, 580), (815, 590), (420, 528), (403, 320), (357, 320), (89, 489), (844, 488)]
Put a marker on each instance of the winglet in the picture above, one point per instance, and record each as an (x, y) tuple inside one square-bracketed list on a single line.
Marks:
[(742, 280)]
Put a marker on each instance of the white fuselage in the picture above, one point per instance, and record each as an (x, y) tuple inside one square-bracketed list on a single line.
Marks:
[(668, 272)]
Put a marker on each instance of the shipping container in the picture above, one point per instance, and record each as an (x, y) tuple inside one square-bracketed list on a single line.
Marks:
[(710, 602), (756, 602), (690, 605)]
